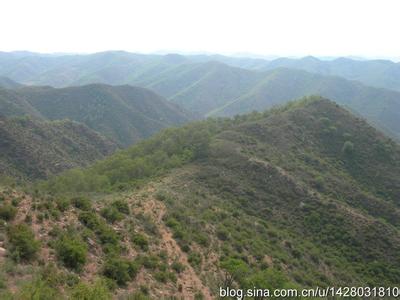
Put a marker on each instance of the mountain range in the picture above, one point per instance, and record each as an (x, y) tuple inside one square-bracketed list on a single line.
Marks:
[(302, 195), (124, 114), (119, 67), (36, 149), (216, 85)]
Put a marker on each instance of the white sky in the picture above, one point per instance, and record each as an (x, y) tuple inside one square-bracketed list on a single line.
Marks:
[(283, 27)]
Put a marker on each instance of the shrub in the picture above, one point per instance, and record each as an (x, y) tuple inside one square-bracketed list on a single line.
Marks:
[(177, 267), (63, 203), (106, 234), (150, 262), (82, 203), (22, 242), (7, 212), (348, 148), (71, 251), (141, 241), (111, 214), (194, 259), (164, 276), (37, 289), (122, 206), (120, 270), (95, 291)]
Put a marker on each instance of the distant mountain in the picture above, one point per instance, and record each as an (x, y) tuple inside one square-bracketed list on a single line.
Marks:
[(8, 83), (119, 67), (202, 87), (207, 85), (124, 114), (377, 73), (35, 149), (215, 89), (379, 106)]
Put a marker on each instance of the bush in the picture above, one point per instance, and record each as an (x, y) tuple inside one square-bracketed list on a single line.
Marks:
[(22, 242), (106, 234), (37, 289), (120, 270), (348, 148), (82, 203), (194, 259), (164, 276), (122, 206), (7, 212), (111, 214), (95, 291), (177, 267), (141, 241), (63, 204), (71, 251)]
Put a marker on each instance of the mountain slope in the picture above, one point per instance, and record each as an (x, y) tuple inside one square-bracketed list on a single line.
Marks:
[(377, 73), (12, 104), (8, 83), (203, 87), (379, 106), (300, 196), (36, 149), (125, 114)]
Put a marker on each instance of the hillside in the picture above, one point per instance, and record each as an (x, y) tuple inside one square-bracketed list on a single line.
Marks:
[(119, 67), (202, 87), (124, 114), (8, 83), (299, 196), (380, 107), (377, 73), (215, 85), (215, 89), (35, 149)]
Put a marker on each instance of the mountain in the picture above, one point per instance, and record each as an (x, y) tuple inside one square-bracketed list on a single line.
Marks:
[(215, 89), (35, 149), (8, 83), (12, 104), (377, 73), (119, 67), (202, 87), (299, 196), (379, 106), (124, 114), (208, 86)]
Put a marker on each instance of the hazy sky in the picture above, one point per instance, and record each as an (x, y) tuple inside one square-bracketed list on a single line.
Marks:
[(283, 27)]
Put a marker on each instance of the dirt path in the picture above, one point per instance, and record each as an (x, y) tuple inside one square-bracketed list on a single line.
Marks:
[(188, 278)]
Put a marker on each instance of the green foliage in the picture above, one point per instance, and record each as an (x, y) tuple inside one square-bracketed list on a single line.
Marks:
[(63, 203), (140, 240), (348, 148), (111, 214), (235, 270), (165, 276), (82, 203), (23, 245), (195, 259), (107, 236), (120, 270), (168, 149), (266, 279), (122, 206), (7, 212), (38, 289), (56, 146), (71, 251), (177, 267), (95, 291)]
